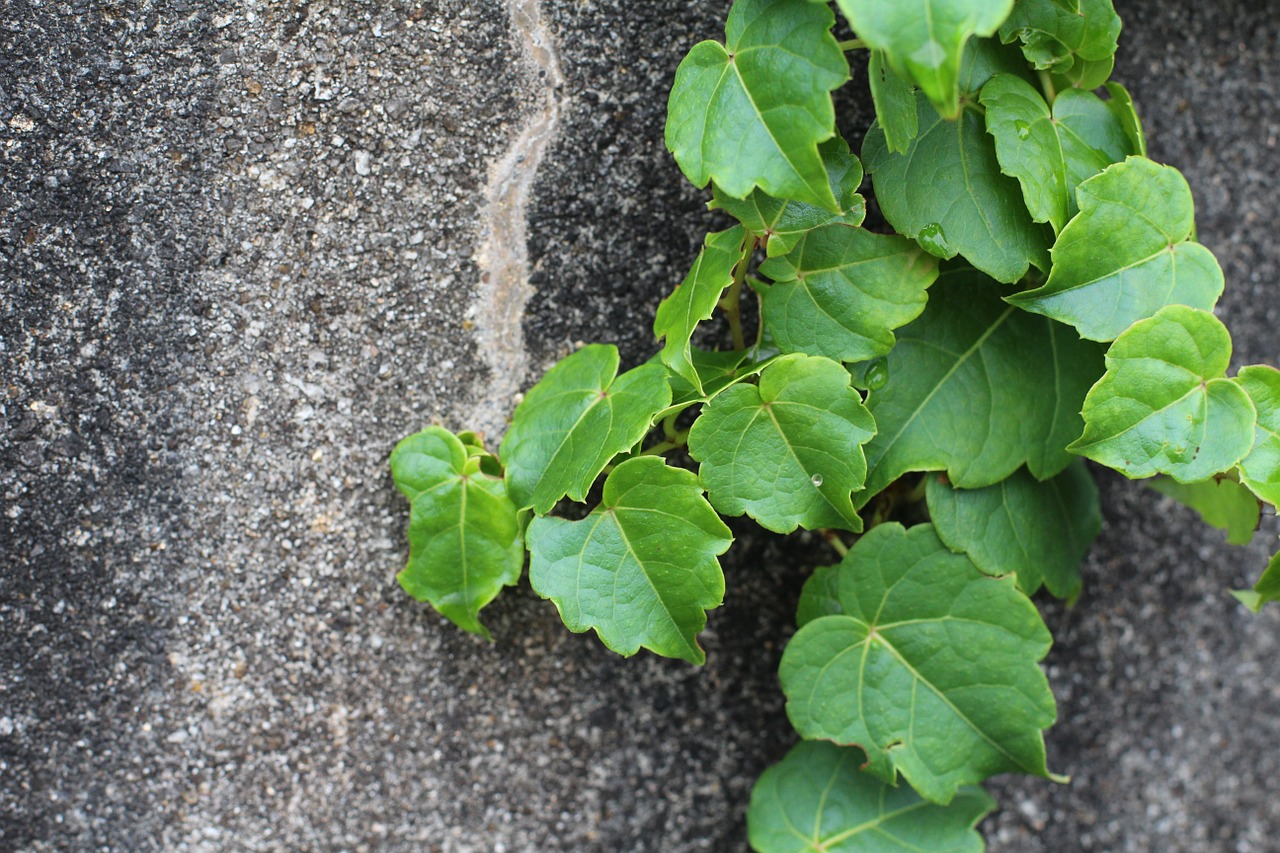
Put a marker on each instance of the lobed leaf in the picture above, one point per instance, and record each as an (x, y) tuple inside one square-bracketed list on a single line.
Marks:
[(1127, 254), (787, 452), (576, 419), (1260, 470), (641, 569), (931, 669), (820, 596), (751, 112), (923, 40), (781, 223), (464, 532), (841, 291), (1222, 503), (1053, 35), (817, 800), (1164, 406)]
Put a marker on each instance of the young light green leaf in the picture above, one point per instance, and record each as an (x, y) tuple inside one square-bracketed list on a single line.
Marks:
[(1266, 590), (789, 451), (751, 112), (1128, 253), (1052, 35), (895, 103), (1051, 152), (782, 223), (574, 421), (841, 291), (1164, 406), (1223, 503), (695, 298), (931, 669), (1040, 530), (947, 193), (464, 533), (924, 39), (641, 569), (820, 596), (1121, 105), (1260, 470), (977, 389), (817, 801)]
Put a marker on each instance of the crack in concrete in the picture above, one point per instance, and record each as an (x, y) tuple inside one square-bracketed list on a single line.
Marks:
[(503, 255)]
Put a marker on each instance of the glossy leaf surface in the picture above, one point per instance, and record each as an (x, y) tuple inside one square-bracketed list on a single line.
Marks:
[(1164, 406), (641, 569), (1225, 504), (817, 801), (464, 535), (1260, 470), (931, 669)]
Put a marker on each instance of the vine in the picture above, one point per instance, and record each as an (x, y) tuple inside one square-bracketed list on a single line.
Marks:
[(922, 398)]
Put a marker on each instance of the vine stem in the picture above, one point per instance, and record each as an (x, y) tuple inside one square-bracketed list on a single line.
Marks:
[(1046, 86), (853, 44), (834, 540), (730, 304), (679, 439)]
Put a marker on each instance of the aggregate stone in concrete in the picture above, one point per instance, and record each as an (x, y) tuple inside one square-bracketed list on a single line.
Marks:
[(238, 262)]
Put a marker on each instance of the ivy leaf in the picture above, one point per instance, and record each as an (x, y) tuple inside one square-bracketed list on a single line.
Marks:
[(1266, 590), (1040, 530), (717, 370), (751, 112), (841, 291), (574, 421), (924, 39), (817, 801), (695, 299), (895, 103), (1260, 470), (977, 389), (947, 193), (820, 596), (931, 668), (464, 532), (641, 569), (1121, 105), (789, 451), (1128, 254), (1086, 74), (1051, 152), (1224, 503), (782, 223), (1052, 35), (1164, 406)]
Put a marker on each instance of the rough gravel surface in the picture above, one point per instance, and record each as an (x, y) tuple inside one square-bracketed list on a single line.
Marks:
[(237, 246)]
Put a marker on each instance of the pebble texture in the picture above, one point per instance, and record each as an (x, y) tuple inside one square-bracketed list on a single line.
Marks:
[(238, 249)]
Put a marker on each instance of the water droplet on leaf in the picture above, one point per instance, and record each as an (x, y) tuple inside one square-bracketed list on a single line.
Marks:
[(816, 479), (933, 241), (1023, 129), (877, 374)]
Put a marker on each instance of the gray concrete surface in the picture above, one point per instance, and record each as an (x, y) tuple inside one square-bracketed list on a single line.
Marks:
[(238, 258)]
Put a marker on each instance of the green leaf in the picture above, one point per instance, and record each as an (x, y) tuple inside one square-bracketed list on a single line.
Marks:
[(695, 299), (1052, 36), (750, 113), (574, 421), (1040, 530), (782, 223), (1260, 470), (1051, 152), (820, 596), (1266, 590), (947, 193), (717, 370), (977, 388), (842, 291), (924, 39), (1085, 74), (1224, 503), (1163, 406), (641, 569), (1121, 105), (895, 103), (931, 669), (464, 532), (789, 451), (816, 801), (1127, 255)]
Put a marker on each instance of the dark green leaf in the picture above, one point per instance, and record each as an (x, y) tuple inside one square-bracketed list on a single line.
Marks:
[(641, 569), (574, 421), (464, 534), (695, 298), (842, 291), (895, 103), (817, 801), (781, 223), (1260, 470), (1267, 589), (1040, 530), (923, 40), (1052, 35), (1163, 406), (947, 193), (750, 113), (931, 669), (789, 451), (820, 596), (1224, 503)]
